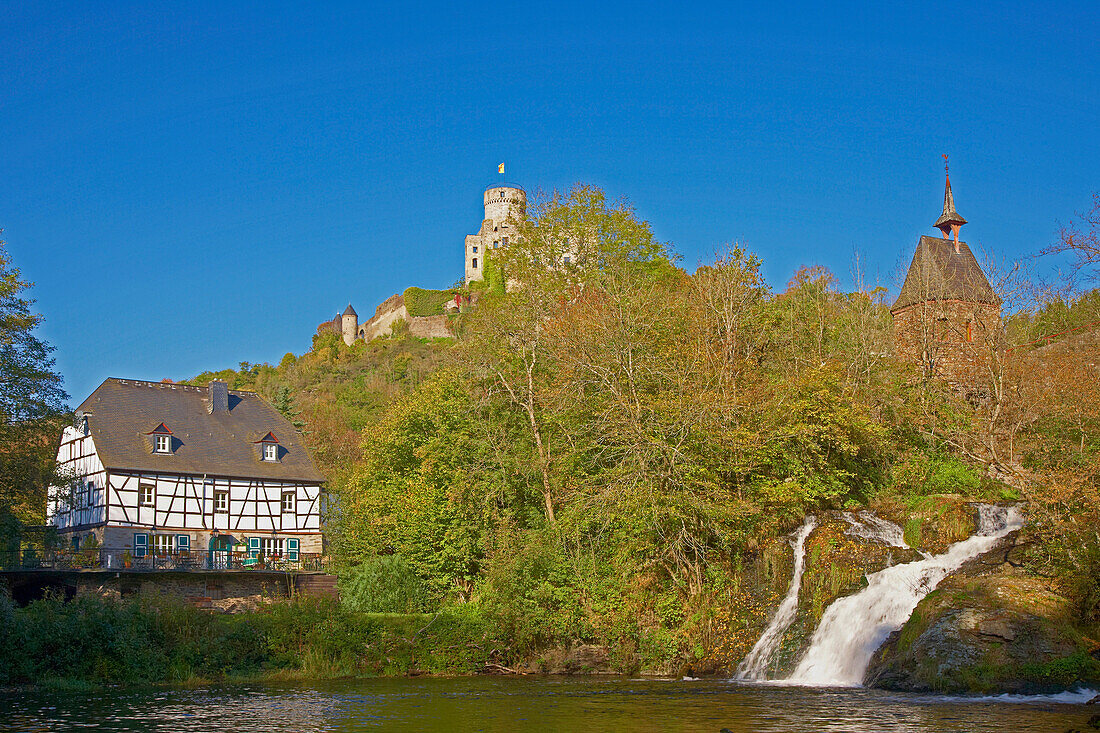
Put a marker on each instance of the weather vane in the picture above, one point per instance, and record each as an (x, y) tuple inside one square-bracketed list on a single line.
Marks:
[(945, 163)]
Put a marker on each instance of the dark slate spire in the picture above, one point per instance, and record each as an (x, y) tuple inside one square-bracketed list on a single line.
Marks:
[(949, 221), (349, 311)]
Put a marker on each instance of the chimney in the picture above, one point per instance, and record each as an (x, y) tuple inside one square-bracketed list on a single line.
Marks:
[(219, 396)]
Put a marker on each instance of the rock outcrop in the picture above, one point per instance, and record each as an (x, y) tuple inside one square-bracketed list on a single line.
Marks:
[(990, 627)]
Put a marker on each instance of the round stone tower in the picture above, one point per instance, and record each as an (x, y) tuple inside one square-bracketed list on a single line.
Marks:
[(504, 200), (349, 325)]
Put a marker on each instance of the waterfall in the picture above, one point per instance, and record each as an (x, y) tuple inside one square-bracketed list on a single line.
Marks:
[(755, 663), (874, 528), (854, 627)]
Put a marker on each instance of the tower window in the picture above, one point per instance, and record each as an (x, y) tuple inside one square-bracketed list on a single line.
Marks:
[(504, 241), (475, 249), (474, 264)]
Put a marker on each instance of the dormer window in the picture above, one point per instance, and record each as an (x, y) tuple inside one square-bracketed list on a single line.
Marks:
[(269, 448), (162, 439)]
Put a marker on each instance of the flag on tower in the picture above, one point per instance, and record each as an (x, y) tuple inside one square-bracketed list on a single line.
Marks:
[(500, 169)]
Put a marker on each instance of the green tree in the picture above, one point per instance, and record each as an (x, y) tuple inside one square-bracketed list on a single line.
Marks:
[(31, 401), (283, 401)]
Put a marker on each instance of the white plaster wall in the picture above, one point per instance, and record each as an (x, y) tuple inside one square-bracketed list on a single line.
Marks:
[(77, 459), (187, 502)]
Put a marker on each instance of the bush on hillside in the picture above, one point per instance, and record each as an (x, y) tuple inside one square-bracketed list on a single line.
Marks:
[(384, 584)]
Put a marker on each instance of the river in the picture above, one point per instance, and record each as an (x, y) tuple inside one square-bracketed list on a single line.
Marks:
[(524, 704)]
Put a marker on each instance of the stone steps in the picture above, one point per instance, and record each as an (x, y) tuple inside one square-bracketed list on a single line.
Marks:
[(318, 586)]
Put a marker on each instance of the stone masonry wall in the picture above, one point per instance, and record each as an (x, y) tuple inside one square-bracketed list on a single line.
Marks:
[(429, 327), (951, 340), (232, 593)]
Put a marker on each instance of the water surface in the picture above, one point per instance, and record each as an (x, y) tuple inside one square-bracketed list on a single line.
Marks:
[(524, 704)]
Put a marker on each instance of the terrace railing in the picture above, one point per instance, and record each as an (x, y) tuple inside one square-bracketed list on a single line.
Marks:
[(124, 560)]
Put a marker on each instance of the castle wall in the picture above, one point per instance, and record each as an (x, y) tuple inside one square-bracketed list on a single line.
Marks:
[(381, 323), (429, 327), (951, 340)]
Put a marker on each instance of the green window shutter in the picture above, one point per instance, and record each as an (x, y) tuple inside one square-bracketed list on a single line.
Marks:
[(292, 549), (253, 546), (141, 544), (183, 542)]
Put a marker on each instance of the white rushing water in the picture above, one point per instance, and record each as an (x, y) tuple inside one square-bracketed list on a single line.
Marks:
[(854, 627), (755, 664), (871, 527)]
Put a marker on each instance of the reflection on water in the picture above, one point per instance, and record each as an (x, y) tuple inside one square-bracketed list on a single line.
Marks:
[(511, 704)]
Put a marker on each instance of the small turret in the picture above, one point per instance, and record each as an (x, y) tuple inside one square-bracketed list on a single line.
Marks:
[(349, 325)]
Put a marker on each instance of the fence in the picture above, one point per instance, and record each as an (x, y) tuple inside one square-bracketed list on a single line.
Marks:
[(107, 558)]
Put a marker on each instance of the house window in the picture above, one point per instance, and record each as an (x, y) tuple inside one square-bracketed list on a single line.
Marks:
[(272, 546), (475, 263), (288, 502), (271, 452), (163, 443), (221, 501), (146, 494), (164, 544)]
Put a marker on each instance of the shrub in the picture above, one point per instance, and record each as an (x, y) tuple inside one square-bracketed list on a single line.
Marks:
[(383, 584)]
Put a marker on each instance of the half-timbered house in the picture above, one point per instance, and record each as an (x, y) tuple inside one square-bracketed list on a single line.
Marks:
[(158, 469)]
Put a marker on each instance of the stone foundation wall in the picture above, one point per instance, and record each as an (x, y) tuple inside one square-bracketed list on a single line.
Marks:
[(231, 593)]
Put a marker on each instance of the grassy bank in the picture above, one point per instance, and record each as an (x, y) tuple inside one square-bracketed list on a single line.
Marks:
[(152, 640)]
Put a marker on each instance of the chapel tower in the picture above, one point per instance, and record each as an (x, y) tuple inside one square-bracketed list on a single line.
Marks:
[(947, 317)]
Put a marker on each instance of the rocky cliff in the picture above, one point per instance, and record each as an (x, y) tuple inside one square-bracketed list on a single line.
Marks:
[(990, 627)]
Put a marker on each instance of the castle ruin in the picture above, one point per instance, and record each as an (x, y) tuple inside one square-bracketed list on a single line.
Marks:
[(504, 203)]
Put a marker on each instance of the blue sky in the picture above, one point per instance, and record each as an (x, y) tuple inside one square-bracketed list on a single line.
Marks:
[(196, 185)]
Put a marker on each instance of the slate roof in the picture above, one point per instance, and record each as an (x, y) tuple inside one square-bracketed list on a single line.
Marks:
[(349, 311), (939, 273), (124, 411)]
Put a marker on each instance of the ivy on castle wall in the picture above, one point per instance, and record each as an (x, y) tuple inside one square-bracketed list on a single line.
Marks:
[(423, 302)]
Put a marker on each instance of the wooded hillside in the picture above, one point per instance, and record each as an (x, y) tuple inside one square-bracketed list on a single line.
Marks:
[(610, 451)]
